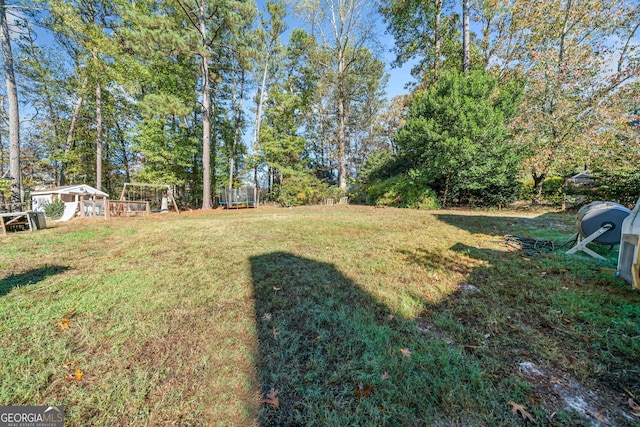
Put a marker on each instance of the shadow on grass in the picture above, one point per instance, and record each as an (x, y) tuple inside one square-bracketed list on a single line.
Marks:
[(496, 225), (576, 324), (30, 277), (333, 355)]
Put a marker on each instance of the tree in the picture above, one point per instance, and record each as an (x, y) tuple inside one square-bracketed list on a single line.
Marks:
[(425, 30), (268, 35), (14, 116), (456, 136), (578, 60), (210, 24), (85, 27), (342, 27)]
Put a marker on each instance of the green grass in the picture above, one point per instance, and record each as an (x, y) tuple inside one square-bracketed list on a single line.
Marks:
[(194, 319)]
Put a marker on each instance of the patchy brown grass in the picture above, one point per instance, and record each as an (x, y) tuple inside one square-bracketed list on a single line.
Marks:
[(192, 319)]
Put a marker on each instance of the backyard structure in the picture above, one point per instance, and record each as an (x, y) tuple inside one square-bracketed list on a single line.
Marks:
[(243, 197), (143, 199), (80, 198), (18, 221)]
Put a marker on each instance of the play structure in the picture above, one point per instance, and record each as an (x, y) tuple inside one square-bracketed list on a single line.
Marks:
[(243, 197), (81, 199), (143, 199), (599, 222), (628, 262)]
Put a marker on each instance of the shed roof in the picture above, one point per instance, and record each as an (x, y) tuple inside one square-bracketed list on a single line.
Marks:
[(71, 189)]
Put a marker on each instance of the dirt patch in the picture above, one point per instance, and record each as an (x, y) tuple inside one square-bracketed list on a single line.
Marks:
[(560, 392)]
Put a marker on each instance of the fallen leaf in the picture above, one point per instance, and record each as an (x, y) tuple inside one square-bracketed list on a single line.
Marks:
[(405, 352), (273, 393), (390, 316), (272, 399), (516, 407), (64, 324), (78, 374), (385, 376), (277, 289), (363, 391), (275, 332), (267, 316), (69, 378)]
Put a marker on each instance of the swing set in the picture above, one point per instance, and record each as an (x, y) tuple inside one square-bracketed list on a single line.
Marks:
[(139, 199)]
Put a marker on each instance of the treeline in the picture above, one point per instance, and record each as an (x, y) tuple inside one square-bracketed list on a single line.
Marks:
[(202, 94), (197, 94), (540, 90)]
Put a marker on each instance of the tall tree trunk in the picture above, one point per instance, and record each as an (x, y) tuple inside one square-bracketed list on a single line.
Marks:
[(256, 131), (342, 158), (14, 117), (538, 180), (237, 107), (71, 132), (465, 36), (2, 198), (98, 137), (125, 155), (445, 194), (206, 114), (437, 40)]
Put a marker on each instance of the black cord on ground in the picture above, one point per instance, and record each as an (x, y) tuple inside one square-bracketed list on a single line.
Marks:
[(536, 247)]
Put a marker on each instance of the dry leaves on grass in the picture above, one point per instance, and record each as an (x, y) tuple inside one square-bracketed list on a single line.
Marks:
[(76, 375), (405, 352), (63, 324), (518, 408), (363, 391), (272, 399), (73, 373)]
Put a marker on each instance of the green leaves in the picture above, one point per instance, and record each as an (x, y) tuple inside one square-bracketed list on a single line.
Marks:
[(455, 133)]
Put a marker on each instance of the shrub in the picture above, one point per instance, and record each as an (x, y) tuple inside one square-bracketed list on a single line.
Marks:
[(622, 186), (552, 190), (54, 210), (407, 190), (300, 188), (457, 133)]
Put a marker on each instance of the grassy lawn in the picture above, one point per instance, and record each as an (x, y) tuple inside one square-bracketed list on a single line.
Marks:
[(316, 316)]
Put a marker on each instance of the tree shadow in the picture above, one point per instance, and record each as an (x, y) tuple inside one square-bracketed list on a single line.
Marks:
[(30, 277), (498, 225), (333, 355)]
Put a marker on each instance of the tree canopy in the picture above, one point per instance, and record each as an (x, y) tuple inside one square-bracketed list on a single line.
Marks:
[(205, 94)]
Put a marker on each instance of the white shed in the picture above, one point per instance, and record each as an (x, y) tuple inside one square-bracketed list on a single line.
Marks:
[(84, 198)]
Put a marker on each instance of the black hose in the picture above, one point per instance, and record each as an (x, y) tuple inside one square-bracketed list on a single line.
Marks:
[(535, 247)]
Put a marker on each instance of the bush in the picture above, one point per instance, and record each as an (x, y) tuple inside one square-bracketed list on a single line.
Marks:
[(300, 188), (407, 191), (457, 133), (622, 186), (552, 190), (54, 210)]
